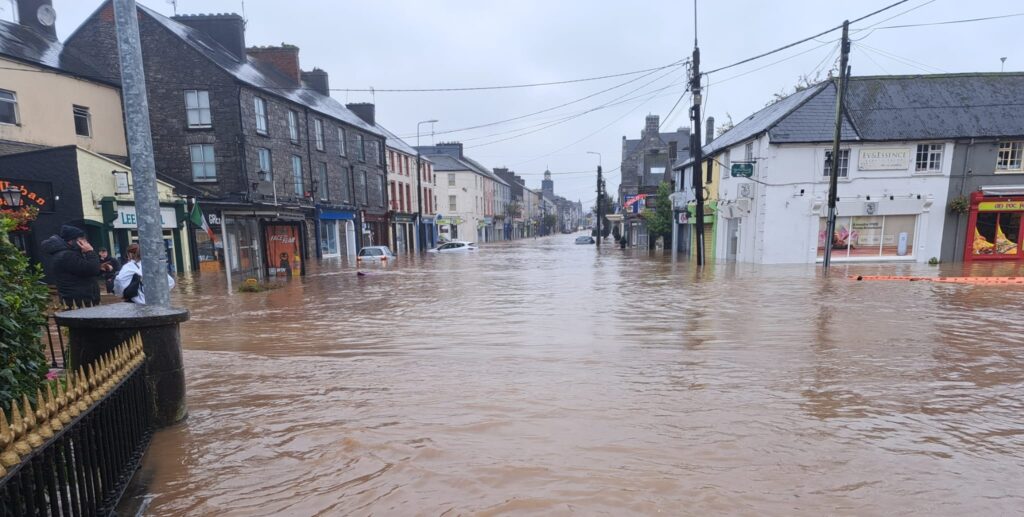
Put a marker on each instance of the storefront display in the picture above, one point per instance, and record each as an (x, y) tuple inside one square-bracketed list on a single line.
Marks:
[(870, 237), (284, 250), (994, 228)]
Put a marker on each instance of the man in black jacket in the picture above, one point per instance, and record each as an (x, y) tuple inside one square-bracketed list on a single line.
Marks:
[(74, 267)]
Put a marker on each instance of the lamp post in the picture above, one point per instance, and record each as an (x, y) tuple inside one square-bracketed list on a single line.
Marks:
[(419, 186)]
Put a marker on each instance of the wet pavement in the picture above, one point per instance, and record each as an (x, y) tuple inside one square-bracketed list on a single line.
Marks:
[(544, 378)]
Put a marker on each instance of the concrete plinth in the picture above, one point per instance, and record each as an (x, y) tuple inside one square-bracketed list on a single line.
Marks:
[(97, 330)]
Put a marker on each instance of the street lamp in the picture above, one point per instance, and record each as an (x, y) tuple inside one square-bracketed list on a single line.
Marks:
[(419, 185), (12, 196)]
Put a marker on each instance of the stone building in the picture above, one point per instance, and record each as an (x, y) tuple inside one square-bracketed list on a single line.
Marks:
[(645, 162), (284, 172)]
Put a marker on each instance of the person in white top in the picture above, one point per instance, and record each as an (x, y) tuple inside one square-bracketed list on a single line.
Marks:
[(126, 285)]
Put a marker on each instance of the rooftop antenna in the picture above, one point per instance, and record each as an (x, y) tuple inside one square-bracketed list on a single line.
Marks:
[(373, 95), (174, 4), (245, 21), (1002, 63)]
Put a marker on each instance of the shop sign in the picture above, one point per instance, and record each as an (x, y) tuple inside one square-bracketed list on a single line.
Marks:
[(742, 170), (121, 182), (126, 218), (33, 193), (213, 218), (996, 206), (883, 159)]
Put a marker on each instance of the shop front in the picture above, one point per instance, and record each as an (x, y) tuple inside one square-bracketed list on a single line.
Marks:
[(283, 247), (994, 229), (403, 234), (448, 227), (429, 230), (337, 233), (121, 229), (375, 230)]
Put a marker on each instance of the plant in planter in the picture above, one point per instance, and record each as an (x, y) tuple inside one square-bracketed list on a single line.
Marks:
[(960, 205), (23, 301)]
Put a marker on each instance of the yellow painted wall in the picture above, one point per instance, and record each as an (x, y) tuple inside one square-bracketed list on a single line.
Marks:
[(45, 109)]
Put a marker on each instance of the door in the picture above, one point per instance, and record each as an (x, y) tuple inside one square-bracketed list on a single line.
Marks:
[(732, 232)]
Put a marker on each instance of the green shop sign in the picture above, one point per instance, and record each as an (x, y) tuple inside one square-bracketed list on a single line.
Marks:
[(742, 170)]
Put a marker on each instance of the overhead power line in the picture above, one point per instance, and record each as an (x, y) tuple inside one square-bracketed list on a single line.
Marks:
[(951, 22)]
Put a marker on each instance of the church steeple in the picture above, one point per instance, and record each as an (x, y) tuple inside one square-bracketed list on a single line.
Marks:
[(547, 186)]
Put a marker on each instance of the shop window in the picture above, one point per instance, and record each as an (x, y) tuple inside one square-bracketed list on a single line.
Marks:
[(1010, 156), (329, 238), (83, 121), (297, 175), (888, 236), (996, 234), (197, 108), (293, 126), (844, 163), (929, 157), (261, 115), (204, 166), (8, 107)]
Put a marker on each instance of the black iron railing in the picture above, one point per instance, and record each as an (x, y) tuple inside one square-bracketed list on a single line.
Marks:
[(75, 451), (53, 337)]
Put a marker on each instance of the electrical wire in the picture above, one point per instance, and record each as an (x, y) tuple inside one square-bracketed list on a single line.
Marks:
[(903, 60), (951, 22)]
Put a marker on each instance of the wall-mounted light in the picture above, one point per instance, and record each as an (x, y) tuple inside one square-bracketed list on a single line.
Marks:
[(11, 196)]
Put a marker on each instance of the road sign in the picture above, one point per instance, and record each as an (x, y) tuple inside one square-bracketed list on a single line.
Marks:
[(742, 170)]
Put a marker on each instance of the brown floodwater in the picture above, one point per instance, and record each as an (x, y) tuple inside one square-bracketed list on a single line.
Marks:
[(543, 378)]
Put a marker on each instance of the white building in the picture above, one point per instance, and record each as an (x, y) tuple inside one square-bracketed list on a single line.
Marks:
[(894, 172)]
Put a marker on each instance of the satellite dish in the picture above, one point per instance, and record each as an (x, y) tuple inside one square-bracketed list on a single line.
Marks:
[(46, 15)]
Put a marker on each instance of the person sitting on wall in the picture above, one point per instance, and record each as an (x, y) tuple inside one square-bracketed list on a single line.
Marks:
[(128, 283), (111, 269), (74, 267)]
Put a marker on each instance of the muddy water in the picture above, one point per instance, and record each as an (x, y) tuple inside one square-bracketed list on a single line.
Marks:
[(542, 378)]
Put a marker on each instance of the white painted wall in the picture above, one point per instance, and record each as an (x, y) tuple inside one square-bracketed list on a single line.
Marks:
[(469, 193), (779, 219)]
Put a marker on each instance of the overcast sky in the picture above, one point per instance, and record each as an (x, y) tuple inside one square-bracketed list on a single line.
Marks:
[(448, 43)]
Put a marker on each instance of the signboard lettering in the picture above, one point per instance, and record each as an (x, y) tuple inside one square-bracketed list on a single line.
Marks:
[(33, 193), (127, 218), (742, 170), (895, 159), (996, 206)]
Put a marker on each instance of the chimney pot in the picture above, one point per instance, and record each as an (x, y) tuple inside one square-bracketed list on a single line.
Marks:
[(284, 59), (709, 132), (365, 111), (316, 80), (227, 29)]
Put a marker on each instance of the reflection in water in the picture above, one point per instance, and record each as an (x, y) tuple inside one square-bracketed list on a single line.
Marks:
[(546, 378)]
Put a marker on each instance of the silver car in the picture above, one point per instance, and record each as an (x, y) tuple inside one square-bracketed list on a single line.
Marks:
[(454, 247)]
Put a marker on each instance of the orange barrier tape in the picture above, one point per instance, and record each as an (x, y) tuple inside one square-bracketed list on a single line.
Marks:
[(984, 280)]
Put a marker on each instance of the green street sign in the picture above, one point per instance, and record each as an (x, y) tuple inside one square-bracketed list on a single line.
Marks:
[(742, 170)]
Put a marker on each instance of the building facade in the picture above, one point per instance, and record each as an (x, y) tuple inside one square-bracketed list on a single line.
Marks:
[(646, 163), (405, 202)]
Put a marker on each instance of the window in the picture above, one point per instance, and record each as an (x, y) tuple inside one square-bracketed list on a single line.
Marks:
[(725, 165), (380, 190), (360, 150), (261, 115), (322, 186), (341, 142), (406, 160), (83, 121), (329, 238), (297, 175), (1009, 157), (318, 129), (293, 126), (8, 107), (929, 157), (394, 197), (401, 198), (748, 152), (408, 198), (879, 236), (265, 164), (996, 233), (844, 163), (204, 167), (451, 180), (451, 203), (360, 186), (197, 108), (372, 151)]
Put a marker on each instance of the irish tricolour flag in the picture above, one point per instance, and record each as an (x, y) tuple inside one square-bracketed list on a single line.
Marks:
[(199, 220)]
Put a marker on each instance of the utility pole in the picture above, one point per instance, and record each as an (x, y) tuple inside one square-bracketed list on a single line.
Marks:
[(833, 169), (140, 149), (695, 151), (600, 204)]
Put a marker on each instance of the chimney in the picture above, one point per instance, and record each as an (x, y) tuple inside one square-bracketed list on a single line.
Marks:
[(365, 110), (449, 148), (709, 132), (316, 80), (284, 59), (227, 29), (651, 126), (38, 15)]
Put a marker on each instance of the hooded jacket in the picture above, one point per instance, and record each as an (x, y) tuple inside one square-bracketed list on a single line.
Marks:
[(73, 271)]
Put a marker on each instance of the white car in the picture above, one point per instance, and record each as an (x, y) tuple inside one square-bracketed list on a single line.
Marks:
[(375, 254), (454, 247)]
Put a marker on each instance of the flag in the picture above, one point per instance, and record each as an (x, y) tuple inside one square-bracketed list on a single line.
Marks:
[(199, 220)]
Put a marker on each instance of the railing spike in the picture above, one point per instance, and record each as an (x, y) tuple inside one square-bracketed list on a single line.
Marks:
[(8, 456), (20, 428), (43, 414), (31, 425), (63, 401)]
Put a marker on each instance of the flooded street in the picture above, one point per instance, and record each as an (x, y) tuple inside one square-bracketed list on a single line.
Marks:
[(539, 377)]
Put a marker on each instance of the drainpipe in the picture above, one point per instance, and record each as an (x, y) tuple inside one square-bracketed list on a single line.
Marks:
[(960, 217)]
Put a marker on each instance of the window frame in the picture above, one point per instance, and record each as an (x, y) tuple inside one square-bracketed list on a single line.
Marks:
[(932, 155), (341, 141), (322, 187), (78, 111), (453, 203), (294, 135), (1013, 149), (261, 115), (269, 169), (360, 148), (14, 102), (206, 178), (198, 109), (451, 179), (297, 187), (318, 133), (844, 171)]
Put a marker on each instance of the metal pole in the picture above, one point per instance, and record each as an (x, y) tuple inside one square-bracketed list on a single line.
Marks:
[(833, 170), (140, 149), (419, 187), (695, 151), (227, 250)]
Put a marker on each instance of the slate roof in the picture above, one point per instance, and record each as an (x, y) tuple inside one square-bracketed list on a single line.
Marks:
[(259, 76), (891, 108), (395, 142), (682, 135), (448, 162), (27, 45)]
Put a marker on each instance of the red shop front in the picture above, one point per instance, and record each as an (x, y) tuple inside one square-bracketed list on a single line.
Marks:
[(284, 249), (994, 229)]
